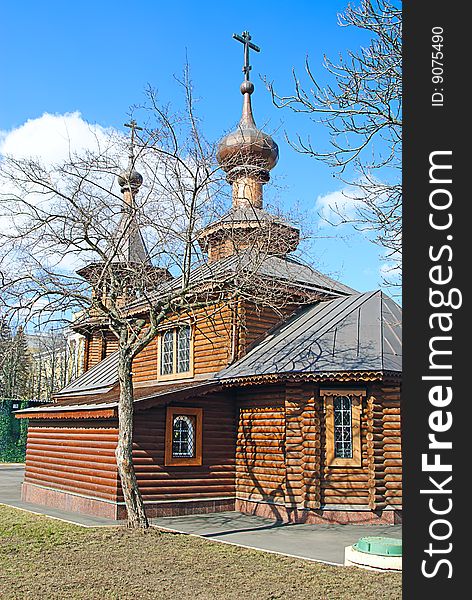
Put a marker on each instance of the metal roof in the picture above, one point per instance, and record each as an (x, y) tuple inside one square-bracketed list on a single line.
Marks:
[(162, 391), (361, 332), (286, 269), (99, 379), (127, 242), (242, 214)]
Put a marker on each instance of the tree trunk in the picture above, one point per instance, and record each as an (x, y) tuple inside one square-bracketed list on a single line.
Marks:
[(124, 449)]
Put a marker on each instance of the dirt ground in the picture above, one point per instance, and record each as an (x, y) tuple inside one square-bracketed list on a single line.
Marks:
[(45, 558)]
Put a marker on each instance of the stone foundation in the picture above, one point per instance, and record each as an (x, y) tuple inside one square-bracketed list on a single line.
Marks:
[(279, 512), (66, 501), (69, 502), (180, 508)]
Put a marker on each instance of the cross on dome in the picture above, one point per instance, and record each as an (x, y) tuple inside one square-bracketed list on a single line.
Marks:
[(245, 39)]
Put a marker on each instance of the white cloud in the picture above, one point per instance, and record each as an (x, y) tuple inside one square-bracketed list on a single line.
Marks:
[(52, 138), (390, 270), (331, 206)]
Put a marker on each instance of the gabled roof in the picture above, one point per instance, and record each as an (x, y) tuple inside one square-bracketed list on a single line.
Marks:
[(360, 332)]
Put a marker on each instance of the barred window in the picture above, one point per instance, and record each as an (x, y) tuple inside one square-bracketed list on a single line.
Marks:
[(342, 427), (183, 437), (343, 412), (183, 349), (167, 353)]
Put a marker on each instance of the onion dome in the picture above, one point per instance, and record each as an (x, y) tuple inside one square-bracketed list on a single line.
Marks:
[(130, 180), (247, 150)]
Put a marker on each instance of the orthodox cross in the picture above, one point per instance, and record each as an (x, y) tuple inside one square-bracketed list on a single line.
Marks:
[(134, 127), (245, 39)]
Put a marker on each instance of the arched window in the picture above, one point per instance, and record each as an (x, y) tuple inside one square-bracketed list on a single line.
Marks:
[(342, 427), (183, 436)]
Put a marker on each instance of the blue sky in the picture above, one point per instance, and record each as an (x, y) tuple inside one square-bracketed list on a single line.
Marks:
[(97, 58)]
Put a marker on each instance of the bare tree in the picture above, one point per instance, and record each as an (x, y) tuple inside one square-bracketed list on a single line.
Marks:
[(49, 364), (55, 220), (362, 110)]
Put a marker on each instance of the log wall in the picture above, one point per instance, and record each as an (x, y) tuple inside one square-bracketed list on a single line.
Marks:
[(392, 449), (73, 456), (281, 450), (260, 449), (214, 478)]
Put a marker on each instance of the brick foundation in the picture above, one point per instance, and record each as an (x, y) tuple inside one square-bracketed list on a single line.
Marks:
[(279, 512)]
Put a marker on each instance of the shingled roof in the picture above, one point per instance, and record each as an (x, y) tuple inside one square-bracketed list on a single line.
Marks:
[(361, 332)]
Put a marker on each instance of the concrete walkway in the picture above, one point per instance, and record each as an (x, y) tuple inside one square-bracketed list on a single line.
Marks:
[(11, 477), (314, 542), (324, 543)]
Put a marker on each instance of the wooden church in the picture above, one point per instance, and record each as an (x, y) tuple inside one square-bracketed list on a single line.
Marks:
[(292, 414)]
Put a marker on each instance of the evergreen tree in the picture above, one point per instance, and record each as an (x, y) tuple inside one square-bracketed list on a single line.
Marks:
[(14, 374)]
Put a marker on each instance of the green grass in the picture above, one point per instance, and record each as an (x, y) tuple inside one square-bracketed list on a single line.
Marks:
[(46, 558)]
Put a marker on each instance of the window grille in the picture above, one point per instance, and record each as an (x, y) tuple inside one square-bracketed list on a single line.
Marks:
[(183, 349), (183, 437), (167, 353), (342, 427)]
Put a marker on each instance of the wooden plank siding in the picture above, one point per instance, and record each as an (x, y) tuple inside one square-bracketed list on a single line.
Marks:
[(214, 338), (73, 456), (213, 479), (212, 342), (100, 345)]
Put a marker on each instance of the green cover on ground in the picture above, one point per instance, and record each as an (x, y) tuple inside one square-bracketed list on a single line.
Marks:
[(383, 546)]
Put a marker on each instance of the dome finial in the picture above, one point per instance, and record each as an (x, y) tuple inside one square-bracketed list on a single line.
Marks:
[(130, 180)]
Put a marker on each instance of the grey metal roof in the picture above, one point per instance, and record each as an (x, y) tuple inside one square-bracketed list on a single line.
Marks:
[(283, 268), (141, 395), (242, 214), (360, 332), (99, 379)]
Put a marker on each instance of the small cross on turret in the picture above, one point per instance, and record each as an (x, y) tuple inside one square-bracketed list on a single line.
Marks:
[(134, 127)]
